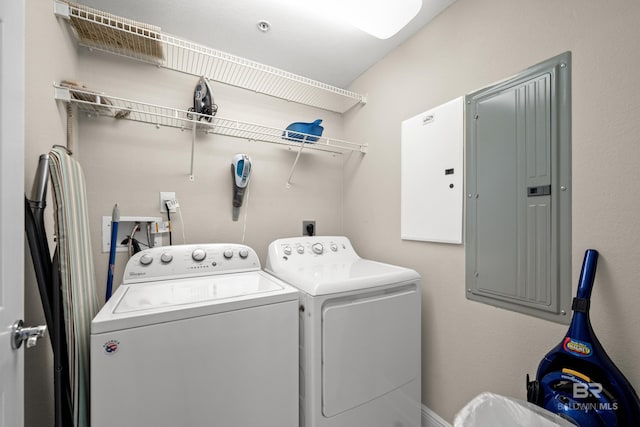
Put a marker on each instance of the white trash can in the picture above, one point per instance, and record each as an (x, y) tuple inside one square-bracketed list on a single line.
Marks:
[(493, 410)]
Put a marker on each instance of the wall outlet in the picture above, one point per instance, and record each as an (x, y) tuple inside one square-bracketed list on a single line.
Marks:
[(167, 196), (309, 228)]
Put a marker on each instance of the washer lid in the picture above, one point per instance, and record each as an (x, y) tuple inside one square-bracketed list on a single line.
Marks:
[(322, 279), (139, 304)]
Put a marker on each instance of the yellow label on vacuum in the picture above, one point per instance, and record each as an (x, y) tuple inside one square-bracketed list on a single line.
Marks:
[(576, 373)]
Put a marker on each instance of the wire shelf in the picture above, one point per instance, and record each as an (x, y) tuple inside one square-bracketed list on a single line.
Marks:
[(101, 104), (105, 32)]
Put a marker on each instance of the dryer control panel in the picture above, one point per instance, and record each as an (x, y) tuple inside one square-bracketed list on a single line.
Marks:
[(321, 265), (307, 250), (180, 261)]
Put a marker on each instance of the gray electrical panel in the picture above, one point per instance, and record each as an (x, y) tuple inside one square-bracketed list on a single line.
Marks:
[(518, 223)]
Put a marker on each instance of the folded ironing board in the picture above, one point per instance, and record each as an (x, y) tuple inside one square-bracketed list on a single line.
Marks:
[(77, 277)]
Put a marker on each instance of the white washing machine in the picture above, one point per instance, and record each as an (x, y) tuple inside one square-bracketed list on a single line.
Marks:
[(196, 335), (359, 334)]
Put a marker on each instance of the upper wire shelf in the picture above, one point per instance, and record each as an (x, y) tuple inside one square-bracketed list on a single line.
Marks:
[(102, 31), (120, 108)]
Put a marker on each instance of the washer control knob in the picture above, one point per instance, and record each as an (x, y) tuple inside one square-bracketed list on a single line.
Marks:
[(243, 253), (300, 249), (198, 255), (317, 248), (334, 247), (287, 250), (228, 253), (146, 259), (166, 257)]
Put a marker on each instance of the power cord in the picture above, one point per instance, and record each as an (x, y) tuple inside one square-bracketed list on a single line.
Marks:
[(184, 240), (169, 219), (173, 204), (246, 212)]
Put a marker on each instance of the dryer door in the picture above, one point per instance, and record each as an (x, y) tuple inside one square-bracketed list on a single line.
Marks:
[(370, 346)]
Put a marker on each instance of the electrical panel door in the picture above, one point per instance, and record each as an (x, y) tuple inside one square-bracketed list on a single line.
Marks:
[(518, 200)]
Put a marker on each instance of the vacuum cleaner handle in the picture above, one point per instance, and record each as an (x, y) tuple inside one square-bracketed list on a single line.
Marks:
[(39, 189), (587, 274)]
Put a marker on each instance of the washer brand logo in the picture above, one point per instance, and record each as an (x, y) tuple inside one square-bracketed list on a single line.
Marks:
[(137, 273), (579, 348), (111, 347)]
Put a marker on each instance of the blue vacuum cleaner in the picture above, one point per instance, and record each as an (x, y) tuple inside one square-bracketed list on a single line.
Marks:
[(577, 380)]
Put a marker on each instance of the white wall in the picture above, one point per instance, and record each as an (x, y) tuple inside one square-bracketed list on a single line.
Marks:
[(470, 347)]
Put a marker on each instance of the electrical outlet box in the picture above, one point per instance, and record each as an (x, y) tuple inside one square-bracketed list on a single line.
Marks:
[(309, 228), (167, 196)]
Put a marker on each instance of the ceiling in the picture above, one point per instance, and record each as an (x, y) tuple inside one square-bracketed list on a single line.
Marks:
[(322, 49)]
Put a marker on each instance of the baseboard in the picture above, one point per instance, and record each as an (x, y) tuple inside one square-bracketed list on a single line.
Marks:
[(431, 419)]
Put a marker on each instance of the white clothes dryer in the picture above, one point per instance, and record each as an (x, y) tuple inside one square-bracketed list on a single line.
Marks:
[(196, 335), (359, 334)]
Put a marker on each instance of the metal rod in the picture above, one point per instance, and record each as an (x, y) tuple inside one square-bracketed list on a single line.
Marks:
[(295, 162), (193, 149)]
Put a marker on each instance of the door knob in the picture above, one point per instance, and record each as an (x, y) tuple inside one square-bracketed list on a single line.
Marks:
[(19, 334)]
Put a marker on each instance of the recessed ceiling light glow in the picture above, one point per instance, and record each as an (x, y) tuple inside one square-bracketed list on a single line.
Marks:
[(380, 18)]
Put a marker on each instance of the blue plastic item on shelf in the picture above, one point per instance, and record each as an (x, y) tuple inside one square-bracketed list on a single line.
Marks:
[(305, 129)]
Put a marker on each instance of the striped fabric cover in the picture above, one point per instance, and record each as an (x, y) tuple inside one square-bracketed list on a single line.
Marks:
[(77, 278)]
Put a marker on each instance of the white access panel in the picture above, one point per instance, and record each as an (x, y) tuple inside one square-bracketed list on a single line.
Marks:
[(431, 174), (370, 347)]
